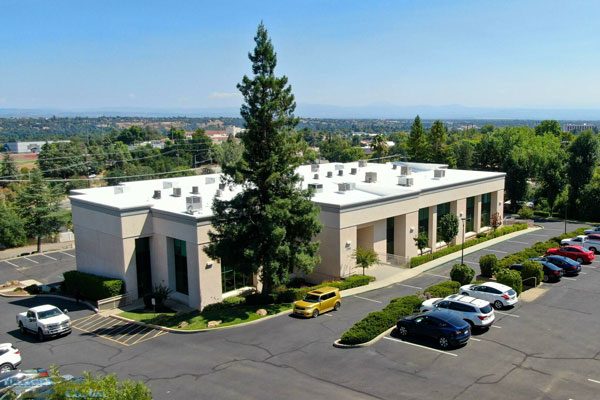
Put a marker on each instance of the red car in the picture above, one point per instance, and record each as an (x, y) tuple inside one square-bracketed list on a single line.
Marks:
[(576, 253)]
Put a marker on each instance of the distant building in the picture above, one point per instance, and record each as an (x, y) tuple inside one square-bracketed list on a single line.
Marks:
[(29, 147), (576, 128), (217, 136), (233, 130)]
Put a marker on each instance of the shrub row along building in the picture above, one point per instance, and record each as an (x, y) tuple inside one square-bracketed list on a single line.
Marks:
[(155, 231)]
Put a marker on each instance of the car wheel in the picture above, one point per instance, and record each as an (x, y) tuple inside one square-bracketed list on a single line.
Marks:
[(471, 324), (403, 332), (443, 342), (498, 305), (593, 249), (6, 367), (40, 335), (21, 328), (465, 293), (337, 306), (545, 278), (579, 260), (315, 313)]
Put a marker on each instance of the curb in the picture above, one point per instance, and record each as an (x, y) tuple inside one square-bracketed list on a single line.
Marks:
[(369, 343), (15, 295), (56, 296)]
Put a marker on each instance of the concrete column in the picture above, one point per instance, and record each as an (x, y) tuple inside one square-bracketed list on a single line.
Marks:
[(459, 208), (477, 214), (432, 228), (406, 228), (380, 236), (498, 203)]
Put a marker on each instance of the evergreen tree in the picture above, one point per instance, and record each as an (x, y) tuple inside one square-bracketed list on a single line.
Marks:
[(437, 142), (37, 205), (380, 147), (417, 142), (8, 170), (12, 231), (269, 227)]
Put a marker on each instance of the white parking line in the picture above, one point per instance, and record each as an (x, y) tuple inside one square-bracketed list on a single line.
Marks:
[(52, 258), (67, 254), (475, 339), (14, 265), (583, 273), (554, 229), (569, 279), (534, 234), (505, 313), (496, 326), (364, 298), (410, 286), (593, 380), (495, 251), (471, 262), (29, 259), (439, 276), (515, 241), (418, 345)]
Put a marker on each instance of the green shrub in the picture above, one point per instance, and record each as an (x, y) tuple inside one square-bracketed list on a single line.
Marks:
[(525, 212), (350, 282), (462, 274), (260, 299), (92, 287), (296, 282), (33, 289), (234, 301), (510, 278), (532, 269), (442, 289), (488, 264), (293, 294)]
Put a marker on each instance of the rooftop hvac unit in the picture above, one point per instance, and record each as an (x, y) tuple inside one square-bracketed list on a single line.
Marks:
[(329, 174), (406, 181), (167, 185), (176, 192), (314, 167), (118, 189), (371, 177), (404, 170), (209, 180), (362, 163), (340, 172), (195, 190), (353, 171), (193, 204), (218, 193), (221, 186), (344, 187), (316, 176), (316, 187), (394, 166), (157, 194), (439, 173), (339, 167)]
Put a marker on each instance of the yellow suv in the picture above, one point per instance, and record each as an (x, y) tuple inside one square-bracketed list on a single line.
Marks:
[(318, 301)]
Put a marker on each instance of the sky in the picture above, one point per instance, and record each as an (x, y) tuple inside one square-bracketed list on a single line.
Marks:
[(173, 54)]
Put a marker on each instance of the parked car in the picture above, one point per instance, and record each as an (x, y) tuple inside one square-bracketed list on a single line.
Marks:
[(594, 236), (444, 326), (45, 321), (318, 301), (497, 294), (477, 312), (9, 379), (576, 253), (569, 267), (10, 357), (584, 241), (552, 273), (595, 229)]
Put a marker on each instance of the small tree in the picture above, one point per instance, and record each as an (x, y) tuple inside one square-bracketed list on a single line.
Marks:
[(488, 265), (495, 220), (106, 387), (462, 274), (525, 212), (421, 241), (365, 257), (448, 227)]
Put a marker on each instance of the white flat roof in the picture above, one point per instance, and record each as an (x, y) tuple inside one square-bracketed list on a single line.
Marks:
[(139, 194)]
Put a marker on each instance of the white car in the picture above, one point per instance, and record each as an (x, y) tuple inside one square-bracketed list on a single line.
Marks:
[(591, 244), (476, 312), (45, 321), (594, 230), (497, 294), (10, 357)]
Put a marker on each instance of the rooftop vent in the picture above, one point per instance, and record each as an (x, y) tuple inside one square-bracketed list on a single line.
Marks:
[(176, 192), (344, 187), (329, 174), (339, 167), (406, 181), (157, 194), (194, 189), (340, 172), (193, 204), (209, 180), (362, 163), (316, 187), (394, 166), (371, 177), (221, 186), (167, 185), (316, 176), (404, 170), (353, 171), (314, 167), (218, 193), (439, 173), (118, 189)]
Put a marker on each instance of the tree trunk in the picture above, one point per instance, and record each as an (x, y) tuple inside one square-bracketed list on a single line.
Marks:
[(363, 271), (39, 244)]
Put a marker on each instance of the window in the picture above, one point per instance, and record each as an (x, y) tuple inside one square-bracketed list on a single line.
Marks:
[(143, 266), (486, 209), (442, 209), (390, 235), (470, 222), (232, 279), (181, 275), (424, 220)]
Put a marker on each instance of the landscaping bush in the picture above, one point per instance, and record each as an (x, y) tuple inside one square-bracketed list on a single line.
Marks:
[(296, 282), (488, 264), (462, 274), (350, 282), (530, 270), (442, 289), (510, 278), (259, 299), (525, 212), (228, 302), (33, 289), (92, 287), (292, 294)]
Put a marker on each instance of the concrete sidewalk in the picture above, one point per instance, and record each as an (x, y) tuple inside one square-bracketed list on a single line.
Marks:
[(46, 247), (407, 273)]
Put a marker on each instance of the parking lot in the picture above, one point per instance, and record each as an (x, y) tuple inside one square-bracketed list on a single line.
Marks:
[(43, 267), (117, 331), (544, 348)]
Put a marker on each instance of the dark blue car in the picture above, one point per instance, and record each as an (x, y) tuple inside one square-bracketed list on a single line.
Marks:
[(569, 267), (552, 273), (443, 326)]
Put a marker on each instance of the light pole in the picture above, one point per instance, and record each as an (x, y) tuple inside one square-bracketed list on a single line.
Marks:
[(462, 245)]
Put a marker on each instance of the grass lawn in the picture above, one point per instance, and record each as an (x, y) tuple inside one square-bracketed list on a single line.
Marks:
[(199, 320)]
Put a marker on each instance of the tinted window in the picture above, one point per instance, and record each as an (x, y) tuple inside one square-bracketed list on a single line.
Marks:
[(492, 290), (511, 292), (462, 307), (486, 309), (443, 304)]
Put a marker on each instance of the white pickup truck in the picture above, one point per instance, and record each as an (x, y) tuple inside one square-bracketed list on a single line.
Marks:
[(45, 321), (583, 241)]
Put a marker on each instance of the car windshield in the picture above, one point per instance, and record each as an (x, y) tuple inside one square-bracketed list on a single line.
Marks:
[(49, 313), (486, 309), (311, 298)]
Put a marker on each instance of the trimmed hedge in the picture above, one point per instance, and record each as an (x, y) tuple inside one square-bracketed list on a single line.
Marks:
[(350, 282), (462, 274), (442, 289), (532, 269), (504, 230), (510, 278), (488, 264), (92, 287), (228, 302), (378, 322)]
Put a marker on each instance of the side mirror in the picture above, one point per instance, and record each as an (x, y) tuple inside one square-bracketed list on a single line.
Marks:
[(66, 311)]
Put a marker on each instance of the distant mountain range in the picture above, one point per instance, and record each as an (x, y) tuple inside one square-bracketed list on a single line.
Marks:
[(387, 111)]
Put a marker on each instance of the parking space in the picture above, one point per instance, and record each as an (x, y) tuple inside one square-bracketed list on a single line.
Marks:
[(43, 267), (115, 330)]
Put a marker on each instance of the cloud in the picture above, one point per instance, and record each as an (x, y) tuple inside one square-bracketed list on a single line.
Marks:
[(224, 95)]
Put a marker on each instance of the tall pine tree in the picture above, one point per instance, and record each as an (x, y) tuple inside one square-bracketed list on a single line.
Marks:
[(417, 142), (437, 143), (269, 227)]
